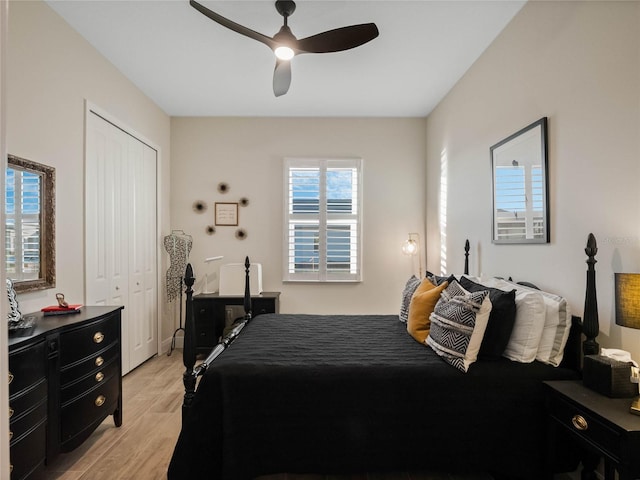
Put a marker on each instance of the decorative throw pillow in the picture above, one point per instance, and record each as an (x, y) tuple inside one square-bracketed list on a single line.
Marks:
[(458, 323), (501, 320), (438, 280), (422, 304), (527, 329), (557, 324), (407, 293)]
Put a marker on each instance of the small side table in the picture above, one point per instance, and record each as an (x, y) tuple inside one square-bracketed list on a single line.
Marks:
[(210, 311), (602, 426)]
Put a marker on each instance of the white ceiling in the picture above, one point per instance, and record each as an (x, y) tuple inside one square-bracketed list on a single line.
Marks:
[(191, 66)]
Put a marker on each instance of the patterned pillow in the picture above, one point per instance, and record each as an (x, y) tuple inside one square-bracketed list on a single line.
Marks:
[(458, 324), (407, 293), (438, 280)]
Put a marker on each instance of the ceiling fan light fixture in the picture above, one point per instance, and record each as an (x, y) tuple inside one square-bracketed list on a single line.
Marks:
[(284, 53)]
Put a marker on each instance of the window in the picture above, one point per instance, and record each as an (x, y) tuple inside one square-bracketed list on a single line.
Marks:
[(323, 220), (22, 235)]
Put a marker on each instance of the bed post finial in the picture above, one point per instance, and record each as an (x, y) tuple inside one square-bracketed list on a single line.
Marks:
[(591, 326), (466, 257), (189, 348), (247, 290)]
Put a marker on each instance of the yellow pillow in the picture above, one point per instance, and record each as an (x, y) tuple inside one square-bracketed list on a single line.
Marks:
[(420, 309), (424, 286)]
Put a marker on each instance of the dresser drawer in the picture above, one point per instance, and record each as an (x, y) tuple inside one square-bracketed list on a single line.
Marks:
[(95, 377), (27, 454), (20, 404), (587, 426), (72, 372), (95, 405), (19, 425), (87, 340), (26, 366)]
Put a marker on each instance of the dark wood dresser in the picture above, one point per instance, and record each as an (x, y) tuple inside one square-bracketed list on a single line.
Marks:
[(64, 380)]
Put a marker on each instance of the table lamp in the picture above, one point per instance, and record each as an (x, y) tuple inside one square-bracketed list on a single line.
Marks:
[(627, 297), (206, 276)]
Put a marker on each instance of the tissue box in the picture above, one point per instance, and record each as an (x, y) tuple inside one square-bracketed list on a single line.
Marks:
[(608, 376), (232, 279)]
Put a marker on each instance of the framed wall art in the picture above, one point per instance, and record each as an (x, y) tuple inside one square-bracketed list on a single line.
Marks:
[(226, 214)]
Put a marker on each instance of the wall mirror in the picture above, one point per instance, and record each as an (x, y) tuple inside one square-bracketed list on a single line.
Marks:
[(30, 224), (520, 186)]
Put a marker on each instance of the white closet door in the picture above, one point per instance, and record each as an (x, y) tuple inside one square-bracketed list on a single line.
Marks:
[(120, 223), (143, 342)]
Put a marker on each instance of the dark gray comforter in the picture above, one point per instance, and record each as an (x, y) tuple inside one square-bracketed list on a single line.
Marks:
[(312, 393)]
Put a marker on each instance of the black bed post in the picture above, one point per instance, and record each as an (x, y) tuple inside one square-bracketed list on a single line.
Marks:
[(247, 290), (466, 257), (590, 319), (189, 349)]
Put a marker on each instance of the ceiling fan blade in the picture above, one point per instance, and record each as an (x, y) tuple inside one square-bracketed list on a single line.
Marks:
[(339, 39), (281, 77), (236, 27)]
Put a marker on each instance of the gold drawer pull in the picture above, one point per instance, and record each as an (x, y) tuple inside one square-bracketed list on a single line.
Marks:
[(100, 400), (98, 337), (11, 468), (579, 422), (10, 435), (11, 412), (99, 376), (99, 361), (10, 378)]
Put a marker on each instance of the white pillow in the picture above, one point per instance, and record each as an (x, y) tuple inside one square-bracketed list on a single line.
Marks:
[(529, 324), (557, 325), (458, 323)]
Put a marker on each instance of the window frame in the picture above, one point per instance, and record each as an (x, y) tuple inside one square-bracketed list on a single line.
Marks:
[(324, 218)]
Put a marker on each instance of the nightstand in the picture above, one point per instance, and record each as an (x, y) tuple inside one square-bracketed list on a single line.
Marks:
[(213, 312), (601, 426)]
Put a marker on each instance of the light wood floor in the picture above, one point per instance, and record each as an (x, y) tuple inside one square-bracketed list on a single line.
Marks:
[(141, 448)]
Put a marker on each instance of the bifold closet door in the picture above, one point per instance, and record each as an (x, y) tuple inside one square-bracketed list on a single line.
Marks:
[(120, 234)]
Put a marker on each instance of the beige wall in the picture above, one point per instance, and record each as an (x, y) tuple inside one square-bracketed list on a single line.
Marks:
[(577, 63), (51, 71), (248, 153)]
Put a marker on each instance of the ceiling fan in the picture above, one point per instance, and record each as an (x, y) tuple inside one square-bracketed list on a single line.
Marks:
[(285, 45)]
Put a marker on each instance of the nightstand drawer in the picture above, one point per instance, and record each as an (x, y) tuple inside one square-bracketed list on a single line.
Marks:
[(587, 426)]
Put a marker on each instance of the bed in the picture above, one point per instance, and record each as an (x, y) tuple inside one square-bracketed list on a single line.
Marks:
[(342, 394)]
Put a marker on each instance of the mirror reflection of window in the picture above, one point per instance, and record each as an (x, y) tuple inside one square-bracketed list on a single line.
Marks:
[(22, 230), (519, 201), (30, 224), (520, 190)]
